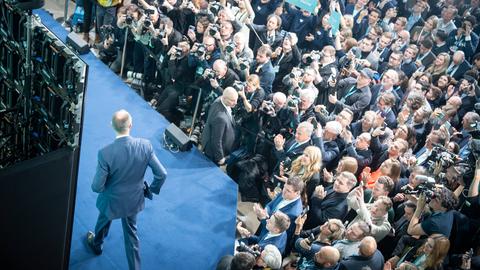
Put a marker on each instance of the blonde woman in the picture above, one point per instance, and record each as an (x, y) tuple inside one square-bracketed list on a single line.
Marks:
[(307, 167), (439, 66)]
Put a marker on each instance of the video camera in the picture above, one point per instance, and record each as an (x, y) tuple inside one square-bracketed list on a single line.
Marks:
[(441, 156), (427, 187), (256, 252)]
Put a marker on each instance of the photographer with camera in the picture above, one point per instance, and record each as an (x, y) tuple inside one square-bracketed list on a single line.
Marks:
[(302, 80), (353, 93), (176, 76), (237, 52), (284, 58), (203, 55), (302, 107), (328, 70), (252, 96), (262, 66), (441, 203)]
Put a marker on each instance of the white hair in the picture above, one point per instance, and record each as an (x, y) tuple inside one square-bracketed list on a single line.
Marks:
[(334, 127), (272, 257)]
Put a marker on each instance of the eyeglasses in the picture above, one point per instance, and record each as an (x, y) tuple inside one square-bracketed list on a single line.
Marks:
[(209, 45)]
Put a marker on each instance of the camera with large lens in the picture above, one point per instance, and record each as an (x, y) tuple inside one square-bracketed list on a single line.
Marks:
[(427, 187), (442, 157), (214, 29), (162, 34), (243, 63), (196, 135), (239, 85), (269, 108), (178, 52), (230, 47), (209, 74), (244, 248), (313, 56), (128, 19), (293, 101), (200, 52), (295, 73), (214, 8), (149, 12)]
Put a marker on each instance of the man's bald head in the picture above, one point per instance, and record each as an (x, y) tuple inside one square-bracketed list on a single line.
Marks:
[(122, 122), (230, 97), (327, 256), (220, 67), (368, 246)]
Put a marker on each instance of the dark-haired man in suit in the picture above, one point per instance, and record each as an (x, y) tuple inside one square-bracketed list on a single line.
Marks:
[(119, 182)]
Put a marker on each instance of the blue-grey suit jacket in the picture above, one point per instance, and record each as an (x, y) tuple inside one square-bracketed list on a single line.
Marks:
[(119, 176)]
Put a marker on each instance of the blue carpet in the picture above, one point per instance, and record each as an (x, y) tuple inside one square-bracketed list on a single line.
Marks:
[(191, 225)]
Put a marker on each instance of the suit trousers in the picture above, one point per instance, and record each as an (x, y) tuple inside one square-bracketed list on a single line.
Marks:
[(132, 243)]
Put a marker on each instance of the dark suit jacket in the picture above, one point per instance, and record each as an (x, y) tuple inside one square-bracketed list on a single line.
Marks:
[(360, 262), (290, 152), (292, 210), (266, 74), (119, 176), (357, 101), (428, 59), (334, 205), (460, 71), (218, 135), (279, 241)]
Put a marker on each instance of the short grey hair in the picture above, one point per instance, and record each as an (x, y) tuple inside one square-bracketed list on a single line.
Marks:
[(272, 257), (306, 126), (121, 121)]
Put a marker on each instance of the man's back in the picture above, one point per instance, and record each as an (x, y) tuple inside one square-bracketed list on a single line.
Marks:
[(119, 176)]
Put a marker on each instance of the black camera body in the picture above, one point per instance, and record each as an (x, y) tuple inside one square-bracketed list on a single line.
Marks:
[(244, 248), (244, 63), (214, 29), (313, 56), (209, 74), (239, 85), (269, 108), (178, 52), (440, 155), (201, 50), (230, 47), (293, 101), (128, 19), (296, 73)]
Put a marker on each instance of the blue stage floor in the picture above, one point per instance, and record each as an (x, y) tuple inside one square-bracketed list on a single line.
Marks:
[(189, 226)]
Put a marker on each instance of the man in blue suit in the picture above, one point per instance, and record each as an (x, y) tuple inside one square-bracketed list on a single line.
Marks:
[(119, 182)]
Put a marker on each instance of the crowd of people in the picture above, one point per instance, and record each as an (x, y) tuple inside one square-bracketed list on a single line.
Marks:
[(354, 127)]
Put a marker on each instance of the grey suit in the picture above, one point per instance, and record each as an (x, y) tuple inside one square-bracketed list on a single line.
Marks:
[(119, 182), (219, 134)]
